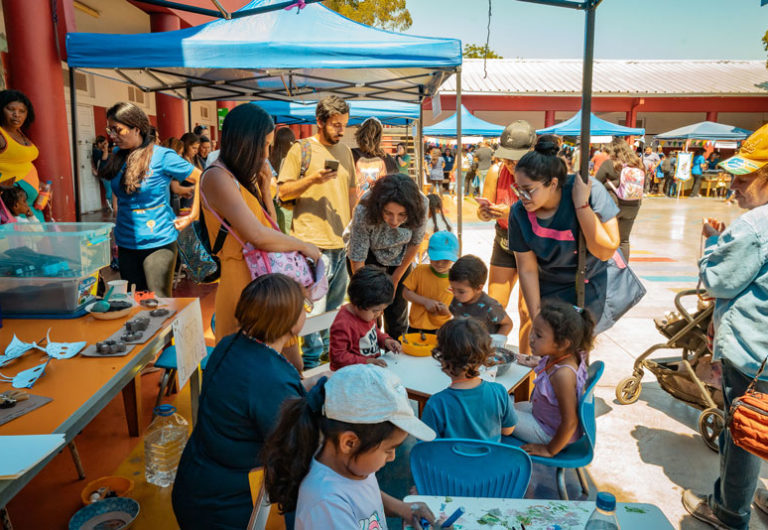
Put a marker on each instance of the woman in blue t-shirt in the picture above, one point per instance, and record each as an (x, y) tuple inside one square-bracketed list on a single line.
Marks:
[(140, 173), (553, 207)]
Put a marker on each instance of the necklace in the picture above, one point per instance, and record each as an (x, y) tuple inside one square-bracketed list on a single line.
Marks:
[(20, 139)]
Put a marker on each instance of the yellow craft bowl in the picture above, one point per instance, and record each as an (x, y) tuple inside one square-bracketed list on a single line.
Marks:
[(413, 345)]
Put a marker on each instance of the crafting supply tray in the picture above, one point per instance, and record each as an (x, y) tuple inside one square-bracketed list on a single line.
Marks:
[(155, 323)]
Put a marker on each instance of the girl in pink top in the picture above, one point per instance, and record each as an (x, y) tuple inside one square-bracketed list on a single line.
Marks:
[(560, 341)]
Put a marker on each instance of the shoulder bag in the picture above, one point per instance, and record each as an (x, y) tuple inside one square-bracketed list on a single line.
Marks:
[(748, 419)]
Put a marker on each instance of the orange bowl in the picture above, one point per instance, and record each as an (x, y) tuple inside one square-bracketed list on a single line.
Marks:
[(413, 345), (120, 485)]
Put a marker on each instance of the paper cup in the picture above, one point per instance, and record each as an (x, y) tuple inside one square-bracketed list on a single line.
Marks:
[(498, 341), (120, 288)]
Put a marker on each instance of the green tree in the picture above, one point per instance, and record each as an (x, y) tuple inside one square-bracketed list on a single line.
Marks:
[(765, 44), (385, 14), (476, 51)]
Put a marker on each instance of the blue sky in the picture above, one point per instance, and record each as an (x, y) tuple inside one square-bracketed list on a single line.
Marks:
[(626, 29)]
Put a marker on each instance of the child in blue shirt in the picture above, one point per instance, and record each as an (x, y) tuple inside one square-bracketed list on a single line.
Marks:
[(470, 407)]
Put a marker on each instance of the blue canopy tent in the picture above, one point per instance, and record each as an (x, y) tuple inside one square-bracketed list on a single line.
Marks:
[(470, 125), (389, 112), (705, 130), (597, 127)]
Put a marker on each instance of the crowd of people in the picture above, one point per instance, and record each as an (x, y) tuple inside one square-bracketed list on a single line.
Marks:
[(358, 218)]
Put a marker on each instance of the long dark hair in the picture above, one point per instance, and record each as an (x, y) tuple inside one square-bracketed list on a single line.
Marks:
[(289, 450), (542, 164), (136, 160), (188, 139), (284, 139), (570, 323), (399, 189), (243, 136), (11, 96), (436, 205)]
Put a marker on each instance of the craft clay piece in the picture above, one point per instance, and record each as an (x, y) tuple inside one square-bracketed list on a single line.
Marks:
[(110, 347), (63, 350), (162, 312), (131, 336), (119, 305), (16, 349), (7, 402), (137, 324), (26, 378), (150, 302)]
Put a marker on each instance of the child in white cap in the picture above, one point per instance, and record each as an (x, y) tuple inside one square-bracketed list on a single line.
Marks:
[(322, 458)]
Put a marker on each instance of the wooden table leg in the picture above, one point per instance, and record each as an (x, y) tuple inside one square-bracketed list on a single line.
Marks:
[(76, 460), (194, 394), (5, 519), (132, 403), (522, 391)]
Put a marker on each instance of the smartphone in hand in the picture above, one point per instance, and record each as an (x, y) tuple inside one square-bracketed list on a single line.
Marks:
[(332, 165)]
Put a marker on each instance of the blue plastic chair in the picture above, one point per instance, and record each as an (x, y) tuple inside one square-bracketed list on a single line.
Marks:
[(167, 361), (470, 468), (581, 452)]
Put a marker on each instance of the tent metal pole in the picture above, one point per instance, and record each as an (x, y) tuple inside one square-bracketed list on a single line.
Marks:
[(418, 149), (586, 114), (189, 109), (457, 162), (75, 157)]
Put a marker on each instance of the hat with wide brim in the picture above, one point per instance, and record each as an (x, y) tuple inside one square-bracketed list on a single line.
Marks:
[(751, 156)]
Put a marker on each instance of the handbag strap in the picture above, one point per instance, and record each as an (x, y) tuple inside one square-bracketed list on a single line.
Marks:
[(222, 221), (751, 387)]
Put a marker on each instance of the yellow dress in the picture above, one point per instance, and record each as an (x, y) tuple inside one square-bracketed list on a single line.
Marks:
[(234, 271)]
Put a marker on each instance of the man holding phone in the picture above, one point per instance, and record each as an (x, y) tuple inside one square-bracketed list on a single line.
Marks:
[(323, 191)]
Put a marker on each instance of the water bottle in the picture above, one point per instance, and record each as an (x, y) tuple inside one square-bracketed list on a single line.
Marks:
[(604, 516), (163, 444)]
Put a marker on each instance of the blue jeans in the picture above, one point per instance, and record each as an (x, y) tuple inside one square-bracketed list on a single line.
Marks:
[(315, 344), (739, 470)]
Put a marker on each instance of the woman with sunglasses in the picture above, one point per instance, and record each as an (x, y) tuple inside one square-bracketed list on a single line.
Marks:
[(543, 228), (245, 383), (139, 173)]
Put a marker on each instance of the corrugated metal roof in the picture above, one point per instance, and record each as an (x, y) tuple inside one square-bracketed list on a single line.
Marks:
[(613, 77)]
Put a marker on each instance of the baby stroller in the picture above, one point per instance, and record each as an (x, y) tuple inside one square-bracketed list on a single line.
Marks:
[(691, 378)]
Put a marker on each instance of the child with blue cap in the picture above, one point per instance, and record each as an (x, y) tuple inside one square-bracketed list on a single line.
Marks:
[(427, 287)]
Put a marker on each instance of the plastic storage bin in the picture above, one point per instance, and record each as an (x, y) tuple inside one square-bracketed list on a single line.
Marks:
[(54, 250), (35, 296)]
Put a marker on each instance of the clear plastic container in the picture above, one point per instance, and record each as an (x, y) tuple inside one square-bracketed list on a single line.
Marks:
[(604, 516), (54, 250), (163, 444), (35, 296)]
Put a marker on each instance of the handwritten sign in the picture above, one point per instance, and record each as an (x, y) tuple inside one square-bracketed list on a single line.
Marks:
[(190, 341)]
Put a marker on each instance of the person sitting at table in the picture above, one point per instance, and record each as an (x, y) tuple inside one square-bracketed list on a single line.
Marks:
[(560, 343), (244, 386), (355, 336), (427, 288), (470, 407), (467, 278), (322, 458)]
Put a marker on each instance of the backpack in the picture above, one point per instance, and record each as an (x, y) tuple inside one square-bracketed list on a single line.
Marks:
[(631, 183), (306, 158)]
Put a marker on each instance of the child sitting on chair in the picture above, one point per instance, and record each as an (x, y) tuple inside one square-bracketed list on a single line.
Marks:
[(15, 199), (355, 337), (560, 342), (427, 288), (470, 407), (467, 278)]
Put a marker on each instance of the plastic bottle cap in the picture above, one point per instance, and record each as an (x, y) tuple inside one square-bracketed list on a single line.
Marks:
[(168, 410), (606, 501)]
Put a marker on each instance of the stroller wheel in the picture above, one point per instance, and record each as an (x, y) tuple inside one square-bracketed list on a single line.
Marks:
[(628, 390), (711, 423)]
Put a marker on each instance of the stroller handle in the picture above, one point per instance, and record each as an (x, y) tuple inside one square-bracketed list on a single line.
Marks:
[(682, 294)]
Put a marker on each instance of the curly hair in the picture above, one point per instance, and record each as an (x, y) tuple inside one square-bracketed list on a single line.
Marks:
[(463, 346), (470, 269), (136, 160), (330, 106), (542, 164), (400, 189), (11, 96), (368, 137), (569, 323), (370, 287), (621, 153)]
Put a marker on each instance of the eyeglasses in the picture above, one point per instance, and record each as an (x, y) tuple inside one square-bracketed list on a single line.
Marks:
[(309, 305), (116, 131), (525, 194)]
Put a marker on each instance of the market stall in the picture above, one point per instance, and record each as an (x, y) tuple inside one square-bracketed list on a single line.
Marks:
[(597, 127)]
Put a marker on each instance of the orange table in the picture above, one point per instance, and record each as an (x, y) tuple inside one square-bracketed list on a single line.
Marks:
[(82, 386)]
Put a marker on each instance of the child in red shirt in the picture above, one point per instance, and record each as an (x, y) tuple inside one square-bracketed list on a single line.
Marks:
[(355, 338)]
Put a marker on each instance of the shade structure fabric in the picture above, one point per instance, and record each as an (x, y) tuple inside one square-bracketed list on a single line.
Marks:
[(705, 130), (389, 112), (471, 125), (597, 127), (276, 55)]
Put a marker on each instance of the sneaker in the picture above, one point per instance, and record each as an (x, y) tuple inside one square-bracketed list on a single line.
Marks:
[(761, 499), (698, 507)]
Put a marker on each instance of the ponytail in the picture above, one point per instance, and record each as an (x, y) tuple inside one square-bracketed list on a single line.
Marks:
[(542, 164), (569, 323), (288, 451)]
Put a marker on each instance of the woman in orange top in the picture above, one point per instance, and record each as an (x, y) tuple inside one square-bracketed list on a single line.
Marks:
[(16, 150), (236, 188)]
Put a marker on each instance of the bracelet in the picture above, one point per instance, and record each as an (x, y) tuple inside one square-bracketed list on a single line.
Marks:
[(585, 205)]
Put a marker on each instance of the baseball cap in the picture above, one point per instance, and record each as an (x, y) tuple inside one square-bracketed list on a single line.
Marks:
[(751, 156), (443, 245), (516, 140), (369, 394)]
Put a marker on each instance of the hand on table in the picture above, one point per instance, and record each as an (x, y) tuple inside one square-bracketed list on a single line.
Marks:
[(393, 345), (377, 362), (527, 360), (419, 511)]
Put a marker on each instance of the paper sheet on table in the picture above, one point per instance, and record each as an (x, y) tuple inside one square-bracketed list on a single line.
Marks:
[(190, 341), (19, 454)]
